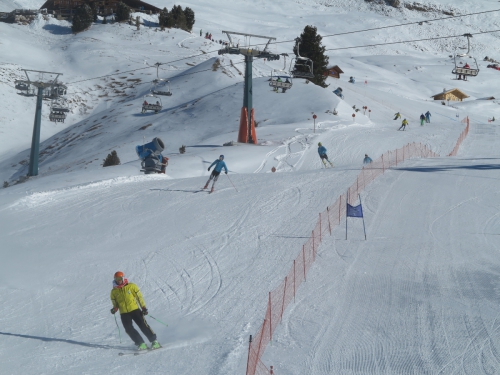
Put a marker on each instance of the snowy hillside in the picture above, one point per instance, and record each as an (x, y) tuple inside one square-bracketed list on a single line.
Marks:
[(419, 296)]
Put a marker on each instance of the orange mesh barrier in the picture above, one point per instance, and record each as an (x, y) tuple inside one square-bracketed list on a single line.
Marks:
[(280, 297)]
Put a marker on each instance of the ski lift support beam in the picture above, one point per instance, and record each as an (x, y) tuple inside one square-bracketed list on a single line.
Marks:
[(247, 132), (35, 140)]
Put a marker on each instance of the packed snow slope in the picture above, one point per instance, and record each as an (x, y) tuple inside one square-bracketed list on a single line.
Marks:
[(419, 296)]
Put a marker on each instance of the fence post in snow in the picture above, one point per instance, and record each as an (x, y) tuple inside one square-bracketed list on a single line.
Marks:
[(283, 302), (249, 348), (304, 257), (270, 319), (294, 281), (320, 238), (329, 224), (340, 205), (314, 251), (383, 167)]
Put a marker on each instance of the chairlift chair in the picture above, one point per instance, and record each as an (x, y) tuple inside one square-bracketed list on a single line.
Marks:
[(280, 80), (460, 70), (24, 88), (58, 111), (160, 83), (301, 67), (151, 103), (159, 86)]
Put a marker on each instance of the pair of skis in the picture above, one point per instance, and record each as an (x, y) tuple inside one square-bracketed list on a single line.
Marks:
[(328, 166), (211, 190), (139, 352)]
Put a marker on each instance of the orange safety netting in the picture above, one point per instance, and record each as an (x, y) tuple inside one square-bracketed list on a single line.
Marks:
[(280, 297)]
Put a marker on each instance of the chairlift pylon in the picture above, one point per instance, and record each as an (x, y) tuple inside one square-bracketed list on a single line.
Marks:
[(151, 102), (303, 67), (159, 84), (464, 70)]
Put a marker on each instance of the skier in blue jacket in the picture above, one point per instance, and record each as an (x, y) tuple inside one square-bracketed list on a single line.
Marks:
[(323, 155), (367, 159), (219, 164), (427, 116)]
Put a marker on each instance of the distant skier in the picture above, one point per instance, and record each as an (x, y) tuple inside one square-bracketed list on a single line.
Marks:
[(427, 117), (422, 119), (352, 80), (397, 115), (201, 32), (338, 92), (219, 164), (323, 155), (403, 125), (367, 159), (127, 298)]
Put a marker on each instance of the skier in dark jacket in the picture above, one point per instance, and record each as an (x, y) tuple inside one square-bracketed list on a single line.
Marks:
[(427, 116), (323, 155), (422, 119), (219, 164)]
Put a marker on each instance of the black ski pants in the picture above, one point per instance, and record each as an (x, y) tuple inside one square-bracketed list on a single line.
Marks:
[(137, 317)]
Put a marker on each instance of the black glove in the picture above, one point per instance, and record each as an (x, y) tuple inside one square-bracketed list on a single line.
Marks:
[(209, 169), (226, 172), (114, 310), (144, 311)]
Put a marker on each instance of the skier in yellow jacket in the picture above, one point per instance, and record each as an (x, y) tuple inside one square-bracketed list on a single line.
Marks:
[(127, 298)]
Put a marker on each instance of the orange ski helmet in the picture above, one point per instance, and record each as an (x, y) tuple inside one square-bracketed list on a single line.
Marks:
[(119, 274)]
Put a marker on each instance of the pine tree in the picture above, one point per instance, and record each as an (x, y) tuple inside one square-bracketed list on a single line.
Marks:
[(111, 159), (82, 19), (164, 19), (311, 48), (122, 12), (189, 14), (178, 17), (94, 8)]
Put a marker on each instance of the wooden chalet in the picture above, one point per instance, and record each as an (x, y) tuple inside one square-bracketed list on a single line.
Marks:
[(454, 95), (334, 72), (66, 8)]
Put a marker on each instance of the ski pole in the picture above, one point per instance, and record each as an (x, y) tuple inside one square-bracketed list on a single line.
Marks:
[(232, 183), (119, 333), (166, 325)]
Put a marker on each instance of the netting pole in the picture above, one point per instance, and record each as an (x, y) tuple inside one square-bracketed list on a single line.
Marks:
[(283, 303), (320, 238), (340, 205), (249, 348), (294, 281), (383, 167), (314, 251), (270, 319), (304, 256), (396, 157), (329, 224)]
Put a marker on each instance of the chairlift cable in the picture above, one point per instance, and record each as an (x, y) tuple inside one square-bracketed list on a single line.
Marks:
[(411, 41)]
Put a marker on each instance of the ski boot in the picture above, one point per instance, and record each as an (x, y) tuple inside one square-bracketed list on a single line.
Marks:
[(155, 345), (143, 346), (204, 187), (212, 190)]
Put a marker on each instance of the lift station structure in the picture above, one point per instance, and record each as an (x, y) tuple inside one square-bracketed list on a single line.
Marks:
[(247, 121)]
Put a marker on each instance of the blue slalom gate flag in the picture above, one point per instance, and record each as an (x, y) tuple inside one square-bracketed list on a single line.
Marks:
[(354, 211)]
